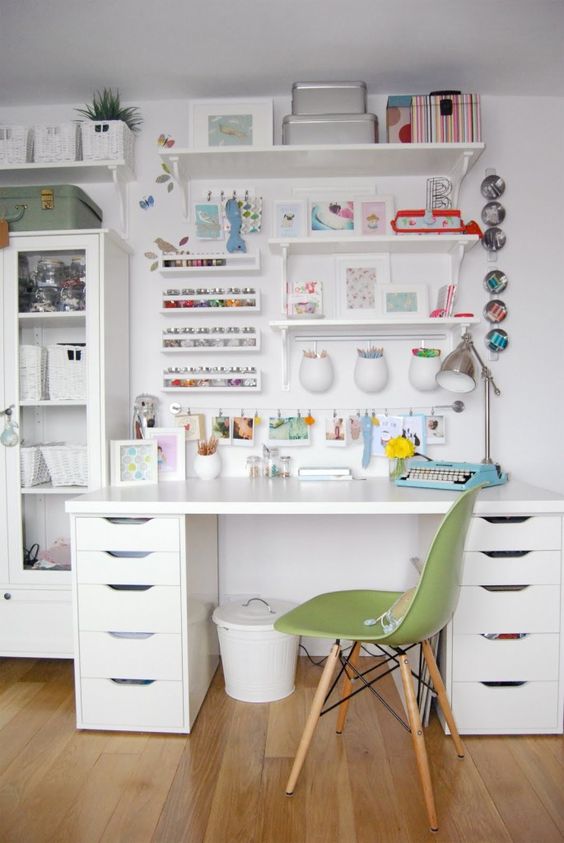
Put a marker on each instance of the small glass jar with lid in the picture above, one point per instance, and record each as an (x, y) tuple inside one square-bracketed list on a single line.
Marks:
[(285, 466), (254, 467)]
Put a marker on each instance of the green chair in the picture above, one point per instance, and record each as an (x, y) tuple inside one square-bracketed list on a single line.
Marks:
[(397, 621)]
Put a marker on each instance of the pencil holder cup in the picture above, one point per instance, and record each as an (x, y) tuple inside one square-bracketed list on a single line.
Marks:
[(423, 370), (370, 373), (316, 372), (207, 466)]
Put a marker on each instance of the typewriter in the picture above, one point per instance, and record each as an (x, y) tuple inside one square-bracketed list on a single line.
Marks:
[(454, 476)]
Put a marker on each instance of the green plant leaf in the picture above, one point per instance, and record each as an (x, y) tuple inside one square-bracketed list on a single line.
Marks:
[(162, 179)]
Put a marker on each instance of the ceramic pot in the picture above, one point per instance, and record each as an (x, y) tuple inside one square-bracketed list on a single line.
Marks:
[(207, 466), (371, 373), (316, 373), (422, 372)]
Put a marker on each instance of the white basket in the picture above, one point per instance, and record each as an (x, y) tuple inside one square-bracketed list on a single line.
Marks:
[(16, 143), (67, 464), (56, 142), (66, 372), (107, 140), (33, 468), (33, 372)]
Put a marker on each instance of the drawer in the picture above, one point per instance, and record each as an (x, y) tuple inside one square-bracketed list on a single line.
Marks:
[(505, 709), (534, 533), (110, 704), (128, 567), (93, 533), (514, 567), (144, 655), (535, 657), (36, 622), (536, 608), (107, 609)]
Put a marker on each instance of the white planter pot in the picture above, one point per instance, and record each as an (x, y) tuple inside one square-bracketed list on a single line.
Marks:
[(207, 466), (316, 373), (422, 372), (371, 373)]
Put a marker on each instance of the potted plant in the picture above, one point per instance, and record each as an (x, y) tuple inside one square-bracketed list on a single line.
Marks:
[(108, 131)]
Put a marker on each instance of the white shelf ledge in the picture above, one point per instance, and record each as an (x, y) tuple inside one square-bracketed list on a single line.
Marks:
[(391, 243)]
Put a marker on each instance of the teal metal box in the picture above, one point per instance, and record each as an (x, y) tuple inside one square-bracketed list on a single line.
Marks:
[(48, 208)]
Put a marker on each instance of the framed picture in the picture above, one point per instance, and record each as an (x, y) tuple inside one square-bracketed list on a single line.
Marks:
[(402, 301), (230, 122), (133, 462), (359, 281), (171, 451), (331, 215), (289, 218), (208, 219), (373, 216)]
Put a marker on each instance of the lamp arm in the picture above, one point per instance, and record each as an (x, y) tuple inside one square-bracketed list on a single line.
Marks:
[(486, 371)]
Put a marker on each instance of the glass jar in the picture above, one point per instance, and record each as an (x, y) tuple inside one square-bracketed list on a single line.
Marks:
[(285, 466), (272, 463), (45, 300), (50, 272), (254, 467)]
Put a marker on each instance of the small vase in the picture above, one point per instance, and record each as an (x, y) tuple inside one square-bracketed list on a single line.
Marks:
[(397, 467), (207, 466), (316, 373), (370, 373)]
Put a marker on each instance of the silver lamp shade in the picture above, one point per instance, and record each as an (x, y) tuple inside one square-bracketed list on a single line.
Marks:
[(458, 373)]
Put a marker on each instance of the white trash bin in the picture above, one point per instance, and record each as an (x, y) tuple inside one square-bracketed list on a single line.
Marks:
[(259, 663)]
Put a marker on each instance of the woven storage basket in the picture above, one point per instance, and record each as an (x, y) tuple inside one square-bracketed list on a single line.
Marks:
[(66, 372), (33, 372), (56, 142), (67, 464), (16, 144), (107, 140), (33, 468)]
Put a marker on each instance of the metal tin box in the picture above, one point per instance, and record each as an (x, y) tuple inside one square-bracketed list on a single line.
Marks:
[(328, 97), (329, 128), (49, 208)]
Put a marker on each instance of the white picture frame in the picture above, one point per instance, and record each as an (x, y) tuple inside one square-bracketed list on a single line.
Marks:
[(331, 216), (359, 280), (171, 451), (230, 123), (208, 220), (133, 462), (289, 218), (374, 215), (404, 301)]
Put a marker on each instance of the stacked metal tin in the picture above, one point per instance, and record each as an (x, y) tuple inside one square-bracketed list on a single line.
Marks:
[(329, 113)]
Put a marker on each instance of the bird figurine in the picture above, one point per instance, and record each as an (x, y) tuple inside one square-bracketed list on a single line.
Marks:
[(235, 242), (165, 246)]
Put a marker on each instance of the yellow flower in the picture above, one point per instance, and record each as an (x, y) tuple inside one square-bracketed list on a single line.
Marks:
[(399, 448)]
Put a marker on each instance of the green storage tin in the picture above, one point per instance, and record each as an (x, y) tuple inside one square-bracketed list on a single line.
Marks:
[(49, 208)]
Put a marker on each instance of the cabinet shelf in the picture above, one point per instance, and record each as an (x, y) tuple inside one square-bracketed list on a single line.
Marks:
[(70, 319), (47, 402), (47, 489)]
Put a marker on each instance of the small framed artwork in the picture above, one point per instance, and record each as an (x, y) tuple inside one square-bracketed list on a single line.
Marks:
[(373, 216), (171, 451), (230, 122), (243, 430), (133, 462), (402, 301), (331, 216), (288, 430), (359, 281), (436, 430), (208, 219), (289, 218)]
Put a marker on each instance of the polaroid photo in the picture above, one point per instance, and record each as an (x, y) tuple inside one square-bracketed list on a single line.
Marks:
[(335, 431), (435, 427), (288, 430), (243, 430), (221, 429)]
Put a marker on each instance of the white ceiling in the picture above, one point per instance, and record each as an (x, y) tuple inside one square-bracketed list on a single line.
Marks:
[(60, 51)]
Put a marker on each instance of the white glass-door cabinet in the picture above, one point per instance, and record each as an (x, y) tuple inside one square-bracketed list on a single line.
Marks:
[(65, 369)]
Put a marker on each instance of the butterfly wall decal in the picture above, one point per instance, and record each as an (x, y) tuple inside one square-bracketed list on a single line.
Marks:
[(165, 141), (147, 202)]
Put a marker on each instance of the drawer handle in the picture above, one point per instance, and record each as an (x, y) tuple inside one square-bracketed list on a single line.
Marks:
[(500, 684), (131, 681), (125, 521), (505, 554), (504, 587), (504, 636), (117, 587), (128, 554), (135, 635), (506, 519)]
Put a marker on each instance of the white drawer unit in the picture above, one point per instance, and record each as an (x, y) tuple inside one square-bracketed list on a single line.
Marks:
[(143, 592), (501, 655)]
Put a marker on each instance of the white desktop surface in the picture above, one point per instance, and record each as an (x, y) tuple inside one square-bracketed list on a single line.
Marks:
[(242, 496)]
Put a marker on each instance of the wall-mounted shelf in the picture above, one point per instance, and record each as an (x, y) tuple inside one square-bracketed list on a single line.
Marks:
[(65, 172), (209, 263), (211, 379), (453, 160), (212, 339), (221, 301), (327, 330)]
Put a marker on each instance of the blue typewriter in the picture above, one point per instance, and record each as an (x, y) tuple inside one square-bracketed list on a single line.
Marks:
[(453, 476)]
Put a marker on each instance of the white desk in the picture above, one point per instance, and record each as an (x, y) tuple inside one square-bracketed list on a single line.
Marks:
[(512, 584)]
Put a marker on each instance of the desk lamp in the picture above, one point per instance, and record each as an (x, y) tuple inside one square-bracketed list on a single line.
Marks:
[(458, 374)]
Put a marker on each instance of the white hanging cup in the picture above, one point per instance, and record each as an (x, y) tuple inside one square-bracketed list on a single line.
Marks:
[(423, 371), (207, 466), (316, 373), (370, 373)]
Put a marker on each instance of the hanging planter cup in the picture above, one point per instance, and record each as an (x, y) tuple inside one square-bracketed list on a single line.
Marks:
[(370, 370), (423, 367), (316, 371)]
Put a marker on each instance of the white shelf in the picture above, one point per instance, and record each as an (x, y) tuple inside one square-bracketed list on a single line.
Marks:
[(46, 402), (236, 262), (47, 489), (201, 309), (71, 319), (391, 243)]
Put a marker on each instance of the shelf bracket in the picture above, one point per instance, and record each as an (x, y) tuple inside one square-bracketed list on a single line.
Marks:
[(285, 359), (459, 173), (121, 191), (183, 186), (284, 249), (455, 257)]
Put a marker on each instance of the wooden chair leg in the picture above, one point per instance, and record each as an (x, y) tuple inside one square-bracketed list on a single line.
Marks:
[(347, 687), (418, 741), (442, 696), (313, 716)]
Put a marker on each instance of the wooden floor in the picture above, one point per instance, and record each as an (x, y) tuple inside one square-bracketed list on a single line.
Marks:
[(225, 782)]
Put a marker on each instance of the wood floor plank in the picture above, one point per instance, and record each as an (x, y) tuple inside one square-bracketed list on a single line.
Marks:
[(15, 698), (285, 719), (543, 773), (12, 670), (283, 818)]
